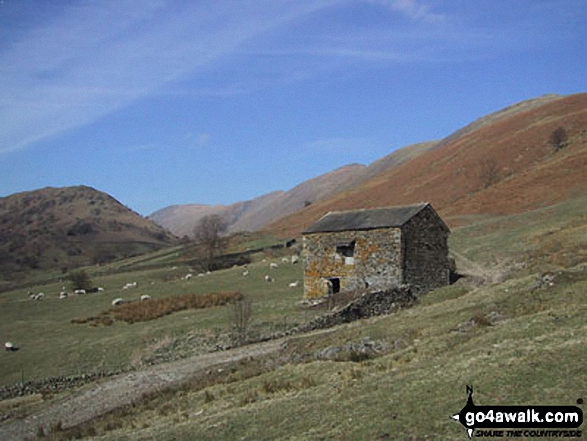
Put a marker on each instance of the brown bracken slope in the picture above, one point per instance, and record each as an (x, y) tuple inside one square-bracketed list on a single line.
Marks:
[(71, 226), (507, 166)]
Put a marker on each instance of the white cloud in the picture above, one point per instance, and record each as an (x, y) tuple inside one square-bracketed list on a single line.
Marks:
[(103, 55), (413, 9), (198, 139)]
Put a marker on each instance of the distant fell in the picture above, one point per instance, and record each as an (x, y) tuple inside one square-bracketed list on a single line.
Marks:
[(500, 164), (71, 226), (254, 214), (182, 219)]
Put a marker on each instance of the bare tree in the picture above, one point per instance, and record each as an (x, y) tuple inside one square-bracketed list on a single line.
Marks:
[(208, 234), (490, 173), (558, 138), (240, 320)]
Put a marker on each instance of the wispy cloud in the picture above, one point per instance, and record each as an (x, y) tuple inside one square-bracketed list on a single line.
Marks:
[(199, 139), (413, 9), (100, 56)]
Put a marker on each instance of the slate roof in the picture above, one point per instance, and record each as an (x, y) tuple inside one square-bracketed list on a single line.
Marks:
[(366, 219)]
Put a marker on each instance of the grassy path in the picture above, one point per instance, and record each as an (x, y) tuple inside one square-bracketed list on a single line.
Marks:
[(97, 399)]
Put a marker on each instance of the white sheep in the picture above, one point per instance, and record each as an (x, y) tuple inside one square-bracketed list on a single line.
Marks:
[(10, 347), (39, 296), (118, 301), (188, 276), (246, 273), (130, 285), (285, 260), (80, 291), (100, 289), (295, 258), (268, 279), (294, 284), (201, 275), (145, 297), (273, 265), (63, 295)]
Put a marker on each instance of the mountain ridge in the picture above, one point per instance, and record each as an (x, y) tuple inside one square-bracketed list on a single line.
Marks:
[(528, 173)]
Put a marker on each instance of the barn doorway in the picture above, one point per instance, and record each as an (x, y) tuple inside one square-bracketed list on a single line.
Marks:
[(335, 281)]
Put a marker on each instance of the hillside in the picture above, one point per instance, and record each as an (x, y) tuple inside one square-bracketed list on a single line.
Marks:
[(505, 165), (517, 318), (257, 213), (182, 219), (254, 214), (69, 227), (308, 192)]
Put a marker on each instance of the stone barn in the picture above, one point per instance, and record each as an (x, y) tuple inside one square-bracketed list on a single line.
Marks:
[(376, 249)]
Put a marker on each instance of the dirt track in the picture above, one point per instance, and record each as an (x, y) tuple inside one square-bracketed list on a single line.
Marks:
[(94, 400)]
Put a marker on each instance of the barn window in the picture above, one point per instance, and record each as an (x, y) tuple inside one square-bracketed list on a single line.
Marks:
[(346, 249)]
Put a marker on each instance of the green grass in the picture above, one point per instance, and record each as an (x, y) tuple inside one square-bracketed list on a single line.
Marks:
[(51, 345), (533, 354)]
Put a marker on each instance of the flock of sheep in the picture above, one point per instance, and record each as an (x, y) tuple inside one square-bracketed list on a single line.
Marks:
[(272, 266), (64, 294), (294, 259)]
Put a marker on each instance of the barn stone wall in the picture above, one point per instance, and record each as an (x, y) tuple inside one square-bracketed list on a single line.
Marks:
[(425, 243), (375, 264)]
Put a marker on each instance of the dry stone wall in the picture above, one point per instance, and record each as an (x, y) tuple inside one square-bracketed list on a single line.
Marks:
[(368, 305)]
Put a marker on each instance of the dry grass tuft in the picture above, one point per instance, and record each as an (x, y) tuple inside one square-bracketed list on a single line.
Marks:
[(156, 308)]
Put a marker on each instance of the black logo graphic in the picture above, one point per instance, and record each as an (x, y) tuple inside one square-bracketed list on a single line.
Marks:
[(474, 417)]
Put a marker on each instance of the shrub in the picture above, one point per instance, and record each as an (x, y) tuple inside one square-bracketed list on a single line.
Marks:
[(80, 280)]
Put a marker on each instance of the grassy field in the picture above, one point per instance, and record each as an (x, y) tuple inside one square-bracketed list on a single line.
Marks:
[(516, 339), (51, 345)]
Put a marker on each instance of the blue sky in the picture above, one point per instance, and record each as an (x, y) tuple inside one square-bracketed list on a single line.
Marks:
[(161, 102)]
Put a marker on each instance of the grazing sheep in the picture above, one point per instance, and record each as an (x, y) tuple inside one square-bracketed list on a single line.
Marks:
[(273, 265), (10, 347), (285, 260), (268, 279), (201, 275), (246, 273), (130, 285), (63, 295), (294, 284), (80, 291), (145, 297), (39, 296), (188, 276), (295, 258), (100, 289), (118, 301)]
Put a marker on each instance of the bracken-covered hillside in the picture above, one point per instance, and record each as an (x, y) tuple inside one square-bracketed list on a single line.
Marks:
[(502, 166), (71, 226)]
